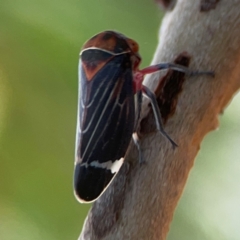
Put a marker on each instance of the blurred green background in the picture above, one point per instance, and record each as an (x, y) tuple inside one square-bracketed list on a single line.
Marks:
[(39, 47)]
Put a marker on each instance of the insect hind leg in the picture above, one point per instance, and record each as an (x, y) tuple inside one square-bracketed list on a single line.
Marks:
[(149, 94)]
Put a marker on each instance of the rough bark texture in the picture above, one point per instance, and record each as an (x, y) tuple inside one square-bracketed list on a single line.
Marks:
[(141, 201)]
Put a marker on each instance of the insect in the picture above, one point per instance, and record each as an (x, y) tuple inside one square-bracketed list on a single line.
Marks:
[(109, 81)]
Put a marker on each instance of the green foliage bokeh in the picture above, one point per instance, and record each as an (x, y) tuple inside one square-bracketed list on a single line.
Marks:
[(39, 47)]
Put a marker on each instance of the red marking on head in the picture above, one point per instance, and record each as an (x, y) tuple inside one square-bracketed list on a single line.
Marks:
[(109, 40), (91, 69), (93, 60)]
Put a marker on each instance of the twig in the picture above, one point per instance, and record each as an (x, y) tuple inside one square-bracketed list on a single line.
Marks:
[(141, 201)]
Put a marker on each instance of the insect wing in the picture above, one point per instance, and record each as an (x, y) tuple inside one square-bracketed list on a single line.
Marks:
[(105, 126)]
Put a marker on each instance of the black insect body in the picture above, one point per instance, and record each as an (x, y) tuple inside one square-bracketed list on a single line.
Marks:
[(109, 79)]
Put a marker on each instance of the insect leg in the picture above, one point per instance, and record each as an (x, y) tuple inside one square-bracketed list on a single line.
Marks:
[(138, 104), (137, 143), (177, 67), (149, 94)]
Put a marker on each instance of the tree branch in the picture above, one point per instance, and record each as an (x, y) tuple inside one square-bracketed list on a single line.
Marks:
[(140, 202)]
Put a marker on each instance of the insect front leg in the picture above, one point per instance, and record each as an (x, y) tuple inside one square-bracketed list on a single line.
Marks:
[(149, 94), (177, 67)]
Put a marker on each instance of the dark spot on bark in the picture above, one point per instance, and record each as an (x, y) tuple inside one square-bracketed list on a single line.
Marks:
[(166, 4), (207, 5), (170, 87), (167, 93)]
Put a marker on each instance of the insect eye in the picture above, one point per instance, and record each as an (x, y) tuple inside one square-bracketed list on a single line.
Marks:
[(133, 45)]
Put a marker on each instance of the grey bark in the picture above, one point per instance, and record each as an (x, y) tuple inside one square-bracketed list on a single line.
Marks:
[(141, 201)]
